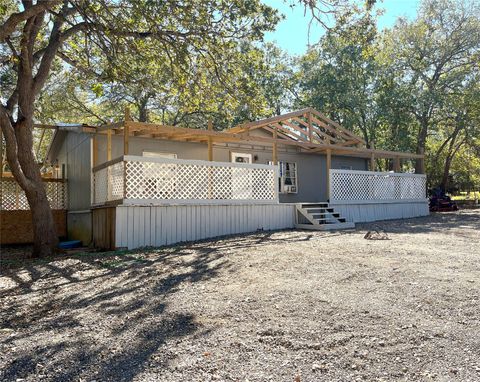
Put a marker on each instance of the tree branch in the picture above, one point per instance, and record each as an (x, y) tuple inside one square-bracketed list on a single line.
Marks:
[(9, 26), (11, 148)]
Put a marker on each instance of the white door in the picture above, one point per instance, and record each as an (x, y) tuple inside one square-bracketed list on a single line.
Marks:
[(241, 177), (159, 178)]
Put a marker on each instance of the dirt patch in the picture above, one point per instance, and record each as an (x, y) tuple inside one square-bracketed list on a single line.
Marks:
[(272, 306)]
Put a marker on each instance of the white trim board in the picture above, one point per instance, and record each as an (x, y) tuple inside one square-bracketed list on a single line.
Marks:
[(135, 158), (179, 202), (378, 201)]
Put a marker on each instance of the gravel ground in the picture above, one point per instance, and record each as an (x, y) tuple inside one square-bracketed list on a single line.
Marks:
[(273, 306)]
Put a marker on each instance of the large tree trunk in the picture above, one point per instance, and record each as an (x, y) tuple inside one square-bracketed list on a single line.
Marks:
[(18, 132), (421, 141), (21, 159), (45, 237), (446, 173), (142, 111)]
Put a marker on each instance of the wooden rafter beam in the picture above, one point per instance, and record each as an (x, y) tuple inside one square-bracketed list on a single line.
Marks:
[(111, 126), (336, 125), (284, 132), (337, 134), (267, 121), (181, 133), (296, 128), (318, 132)]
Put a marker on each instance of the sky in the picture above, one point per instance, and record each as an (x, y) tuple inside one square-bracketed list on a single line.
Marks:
[(292, 33)]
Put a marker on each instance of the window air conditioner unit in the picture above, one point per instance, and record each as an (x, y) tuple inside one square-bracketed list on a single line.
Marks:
[(290, 189)]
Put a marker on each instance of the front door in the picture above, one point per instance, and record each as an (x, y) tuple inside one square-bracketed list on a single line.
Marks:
[(241, 177)]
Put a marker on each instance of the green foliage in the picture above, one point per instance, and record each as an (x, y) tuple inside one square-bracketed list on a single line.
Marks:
[(408, 88), (340, 75)]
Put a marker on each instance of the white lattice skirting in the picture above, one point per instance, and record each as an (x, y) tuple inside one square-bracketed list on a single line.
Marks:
[(142, 180), (349, 186)]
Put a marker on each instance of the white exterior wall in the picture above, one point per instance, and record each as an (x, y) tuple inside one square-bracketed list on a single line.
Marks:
[(141, 226), (367, 212)]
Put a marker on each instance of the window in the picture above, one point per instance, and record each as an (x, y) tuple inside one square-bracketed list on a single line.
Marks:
[(288, 177), (153, 154), (346, 168)]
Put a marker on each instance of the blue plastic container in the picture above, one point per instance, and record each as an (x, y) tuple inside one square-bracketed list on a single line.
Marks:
[(70, 244)]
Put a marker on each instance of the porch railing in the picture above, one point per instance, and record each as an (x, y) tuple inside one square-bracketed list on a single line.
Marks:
[(14, 198), (139, 180), (368, 186)]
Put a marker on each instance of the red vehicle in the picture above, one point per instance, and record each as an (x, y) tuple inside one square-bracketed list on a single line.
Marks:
[(441, 202)]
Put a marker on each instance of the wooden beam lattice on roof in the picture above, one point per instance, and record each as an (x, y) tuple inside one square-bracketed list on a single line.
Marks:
[(306, 125), (307, 130)]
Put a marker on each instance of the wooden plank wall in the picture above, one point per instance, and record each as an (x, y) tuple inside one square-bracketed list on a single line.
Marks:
[(164, 225), (103, 228), (16, 226), (361, 213)]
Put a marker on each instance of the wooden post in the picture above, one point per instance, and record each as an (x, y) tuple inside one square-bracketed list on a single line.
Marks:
[(396, 164), (210, 158), (329, 166), (126, 130), (275, 148), (210, 143), (109, 144), (109, 157), (372, 157), (40, 143), (95, 150), (421, 162), (126, 133), (310, 134)]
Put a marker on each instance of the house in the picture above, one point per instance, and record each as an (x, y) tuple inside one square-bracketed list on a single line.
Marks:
[(133, 184)]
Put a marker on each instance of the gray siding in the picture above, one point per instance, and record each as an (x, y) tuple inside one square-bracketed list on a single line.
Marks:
[(137, 145), (311, 167), (76, 155), (73, 151)]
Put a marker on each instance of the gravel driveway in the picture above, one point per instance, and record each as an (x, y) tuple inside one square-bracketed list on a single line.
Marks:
[(273, 306)]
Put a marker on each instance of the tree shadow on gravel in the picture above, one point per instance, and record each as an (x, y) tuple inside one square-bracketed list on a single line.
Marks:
[(101, 317)]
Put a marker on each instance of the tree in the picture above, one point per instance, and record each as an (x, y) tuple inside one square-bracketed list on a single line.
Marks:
[(340, 76), (35, 35), (458, 129), (432, 57)]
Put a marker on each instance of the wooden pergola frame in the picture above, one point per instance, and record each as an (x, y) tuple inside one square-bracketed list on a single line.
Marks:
[(306, 129)]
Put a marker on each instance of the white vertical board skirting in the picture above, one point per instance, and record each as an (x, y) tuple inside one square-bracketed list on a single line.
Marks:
[(361, 213), (142, 226)]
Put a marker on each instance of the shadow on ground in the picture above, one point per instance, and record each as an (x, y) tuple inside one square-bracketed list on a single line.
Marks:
[(98, 315), (106, 316)]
